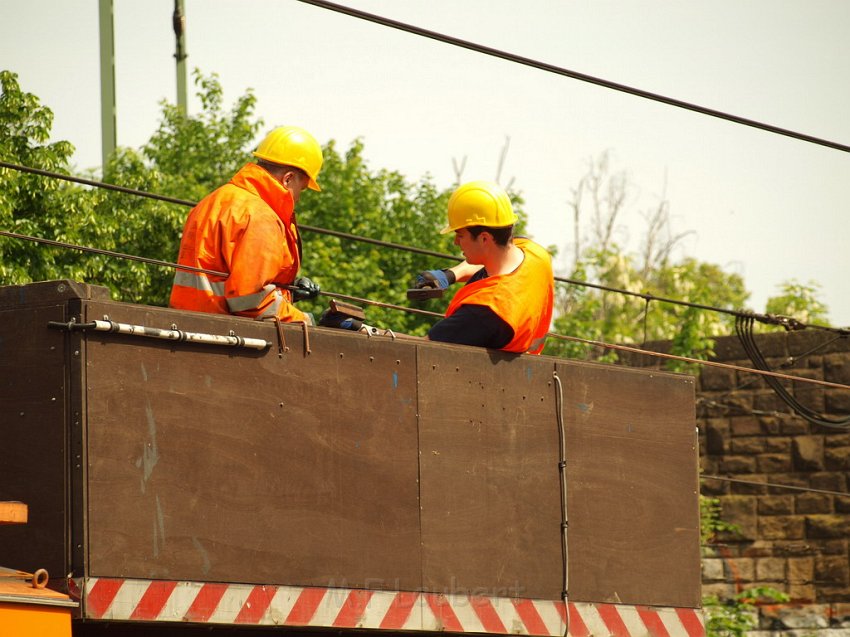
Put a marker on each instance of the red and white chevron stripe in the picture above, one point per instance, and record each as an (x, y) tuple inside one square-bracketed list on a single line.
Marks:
[(214, 603)]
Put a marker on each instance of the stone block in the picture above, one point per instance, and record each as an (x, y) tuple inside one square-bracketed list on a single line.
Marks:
[(831, 570), (796, 616), (712, 570), (788, 479), (810, 396), (773, 444), (770, 569), (738, 403), (749, 485), (836, 368), (716, 379), (837, 402), (833, 547), (801, 570), (813, 503), (738, 464), (767, 400), (774, 463), (801, 592), (808, 453), (720, 590), (837, 458), (827, 526), (793, 425), (781, 527), (716, 436), (834, 438), (773, 345), (829, 481), (728, 348), (795, 549), (747, 446), (741, 569), (770, 425), (740, 511), (758, 548), (842, 505), (776, 505), (841, 612), (744, 426), (832, 593)]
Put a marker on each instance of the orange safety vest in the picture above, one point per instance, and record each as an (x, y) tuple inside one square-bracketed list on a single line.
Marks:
[(246, 228), (523, 298)]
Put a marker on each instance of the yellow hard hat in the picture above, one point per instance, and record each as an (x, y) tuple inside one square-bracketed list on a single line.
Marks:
[(479, 203), (293, 146)]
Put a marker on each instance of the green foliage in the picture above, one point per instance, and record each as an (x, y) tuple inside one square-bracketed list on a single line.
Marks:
[(617, 318), (710, 523), (734, 617), (30, 204), (600, 199), (730, 617), (799, 301), (378, 204)]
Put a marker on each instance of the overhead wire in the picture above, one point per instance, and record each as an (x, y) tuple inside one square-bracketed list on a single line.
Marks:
[(583, 77), (646, 296), (602, 344), (774, 485)]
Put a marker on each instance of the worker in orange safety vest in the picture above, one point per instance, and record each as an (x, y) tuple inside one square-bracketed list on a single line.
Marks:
[(247, 230), (507, 301)]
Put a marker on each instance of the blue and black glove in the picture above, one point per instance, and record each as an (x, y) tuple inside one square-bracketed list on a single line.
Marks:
[(329, 318), (436, 279), (303, 289)]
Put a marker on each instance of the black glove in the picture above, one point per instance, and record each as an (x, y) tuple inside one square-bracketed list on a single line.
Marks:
[(329, 318), (305, 289), (438, 279)]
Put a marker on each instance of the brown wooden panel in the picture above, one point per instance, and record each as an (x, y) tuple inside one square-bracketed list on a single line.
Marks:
[(210, 464), (632, 494), (33, 434), (489, 455), (49, 293)]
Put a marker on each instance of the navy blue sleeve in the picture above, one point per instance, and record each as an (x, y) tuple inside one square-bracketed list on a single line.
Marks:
[(476, 325)]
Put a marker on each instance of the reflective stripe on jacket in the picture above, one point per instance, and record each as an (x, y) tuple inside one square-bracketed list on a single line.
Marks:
[(523, 298), (247, 229)]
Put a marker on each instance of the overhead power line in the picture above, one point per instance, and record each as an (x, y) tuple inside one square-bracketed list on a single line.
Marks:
[(603, 344), (786, 322), (583, 77)]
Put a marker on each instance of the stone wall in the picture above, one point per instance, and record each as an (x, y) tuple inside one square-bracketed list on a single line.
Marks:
[(796, 541)]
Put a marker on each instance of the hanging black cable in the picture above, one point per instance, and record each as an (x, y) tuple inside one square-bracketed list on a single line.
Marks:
[(744, 330), (787, 322), (551, 68)]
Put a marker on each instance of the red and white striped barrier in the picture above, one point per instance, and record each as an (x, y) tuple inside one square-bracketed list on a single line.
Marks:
[(214, 603)]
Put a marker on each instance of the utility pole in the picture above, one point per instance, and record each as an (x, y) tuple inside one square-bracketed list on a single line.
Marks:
[(108, 134), (178, 21)]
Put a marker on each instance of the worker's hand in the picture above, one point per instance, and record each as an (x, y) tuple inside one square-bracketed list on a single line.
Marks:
[(305, 289), (437, 279), (329, 318)]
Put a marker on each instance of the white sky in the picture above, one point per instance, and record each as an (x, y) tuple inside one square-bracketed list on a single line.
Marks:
[(767, 207)]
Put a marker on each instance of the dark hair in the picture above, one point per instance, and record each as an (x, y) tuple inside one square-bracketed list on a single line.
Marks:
[(500, 235), (280, 169)]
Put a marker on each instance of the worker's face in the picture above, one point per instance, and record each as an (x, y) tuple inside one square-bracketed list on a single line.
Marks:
[(472, 247), (295, 182)]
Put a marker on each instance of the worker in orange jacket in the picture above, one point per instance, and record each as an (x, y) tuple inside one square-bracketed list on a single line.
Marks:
[(247, 229), (507, 301)]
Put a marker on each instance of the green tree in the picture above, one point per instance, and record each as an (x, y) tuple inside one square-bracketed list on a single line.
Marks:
[(30, 204), (799, 301), (599, 201)]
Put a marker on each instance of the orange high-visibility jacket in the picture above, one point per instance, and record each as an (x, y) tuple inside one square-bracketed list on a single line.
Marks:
[(246, 229), (523, 298)]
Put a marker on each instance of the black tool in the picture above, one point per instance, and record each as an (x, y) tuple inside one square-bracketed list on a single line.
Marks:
[(423, 294)]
